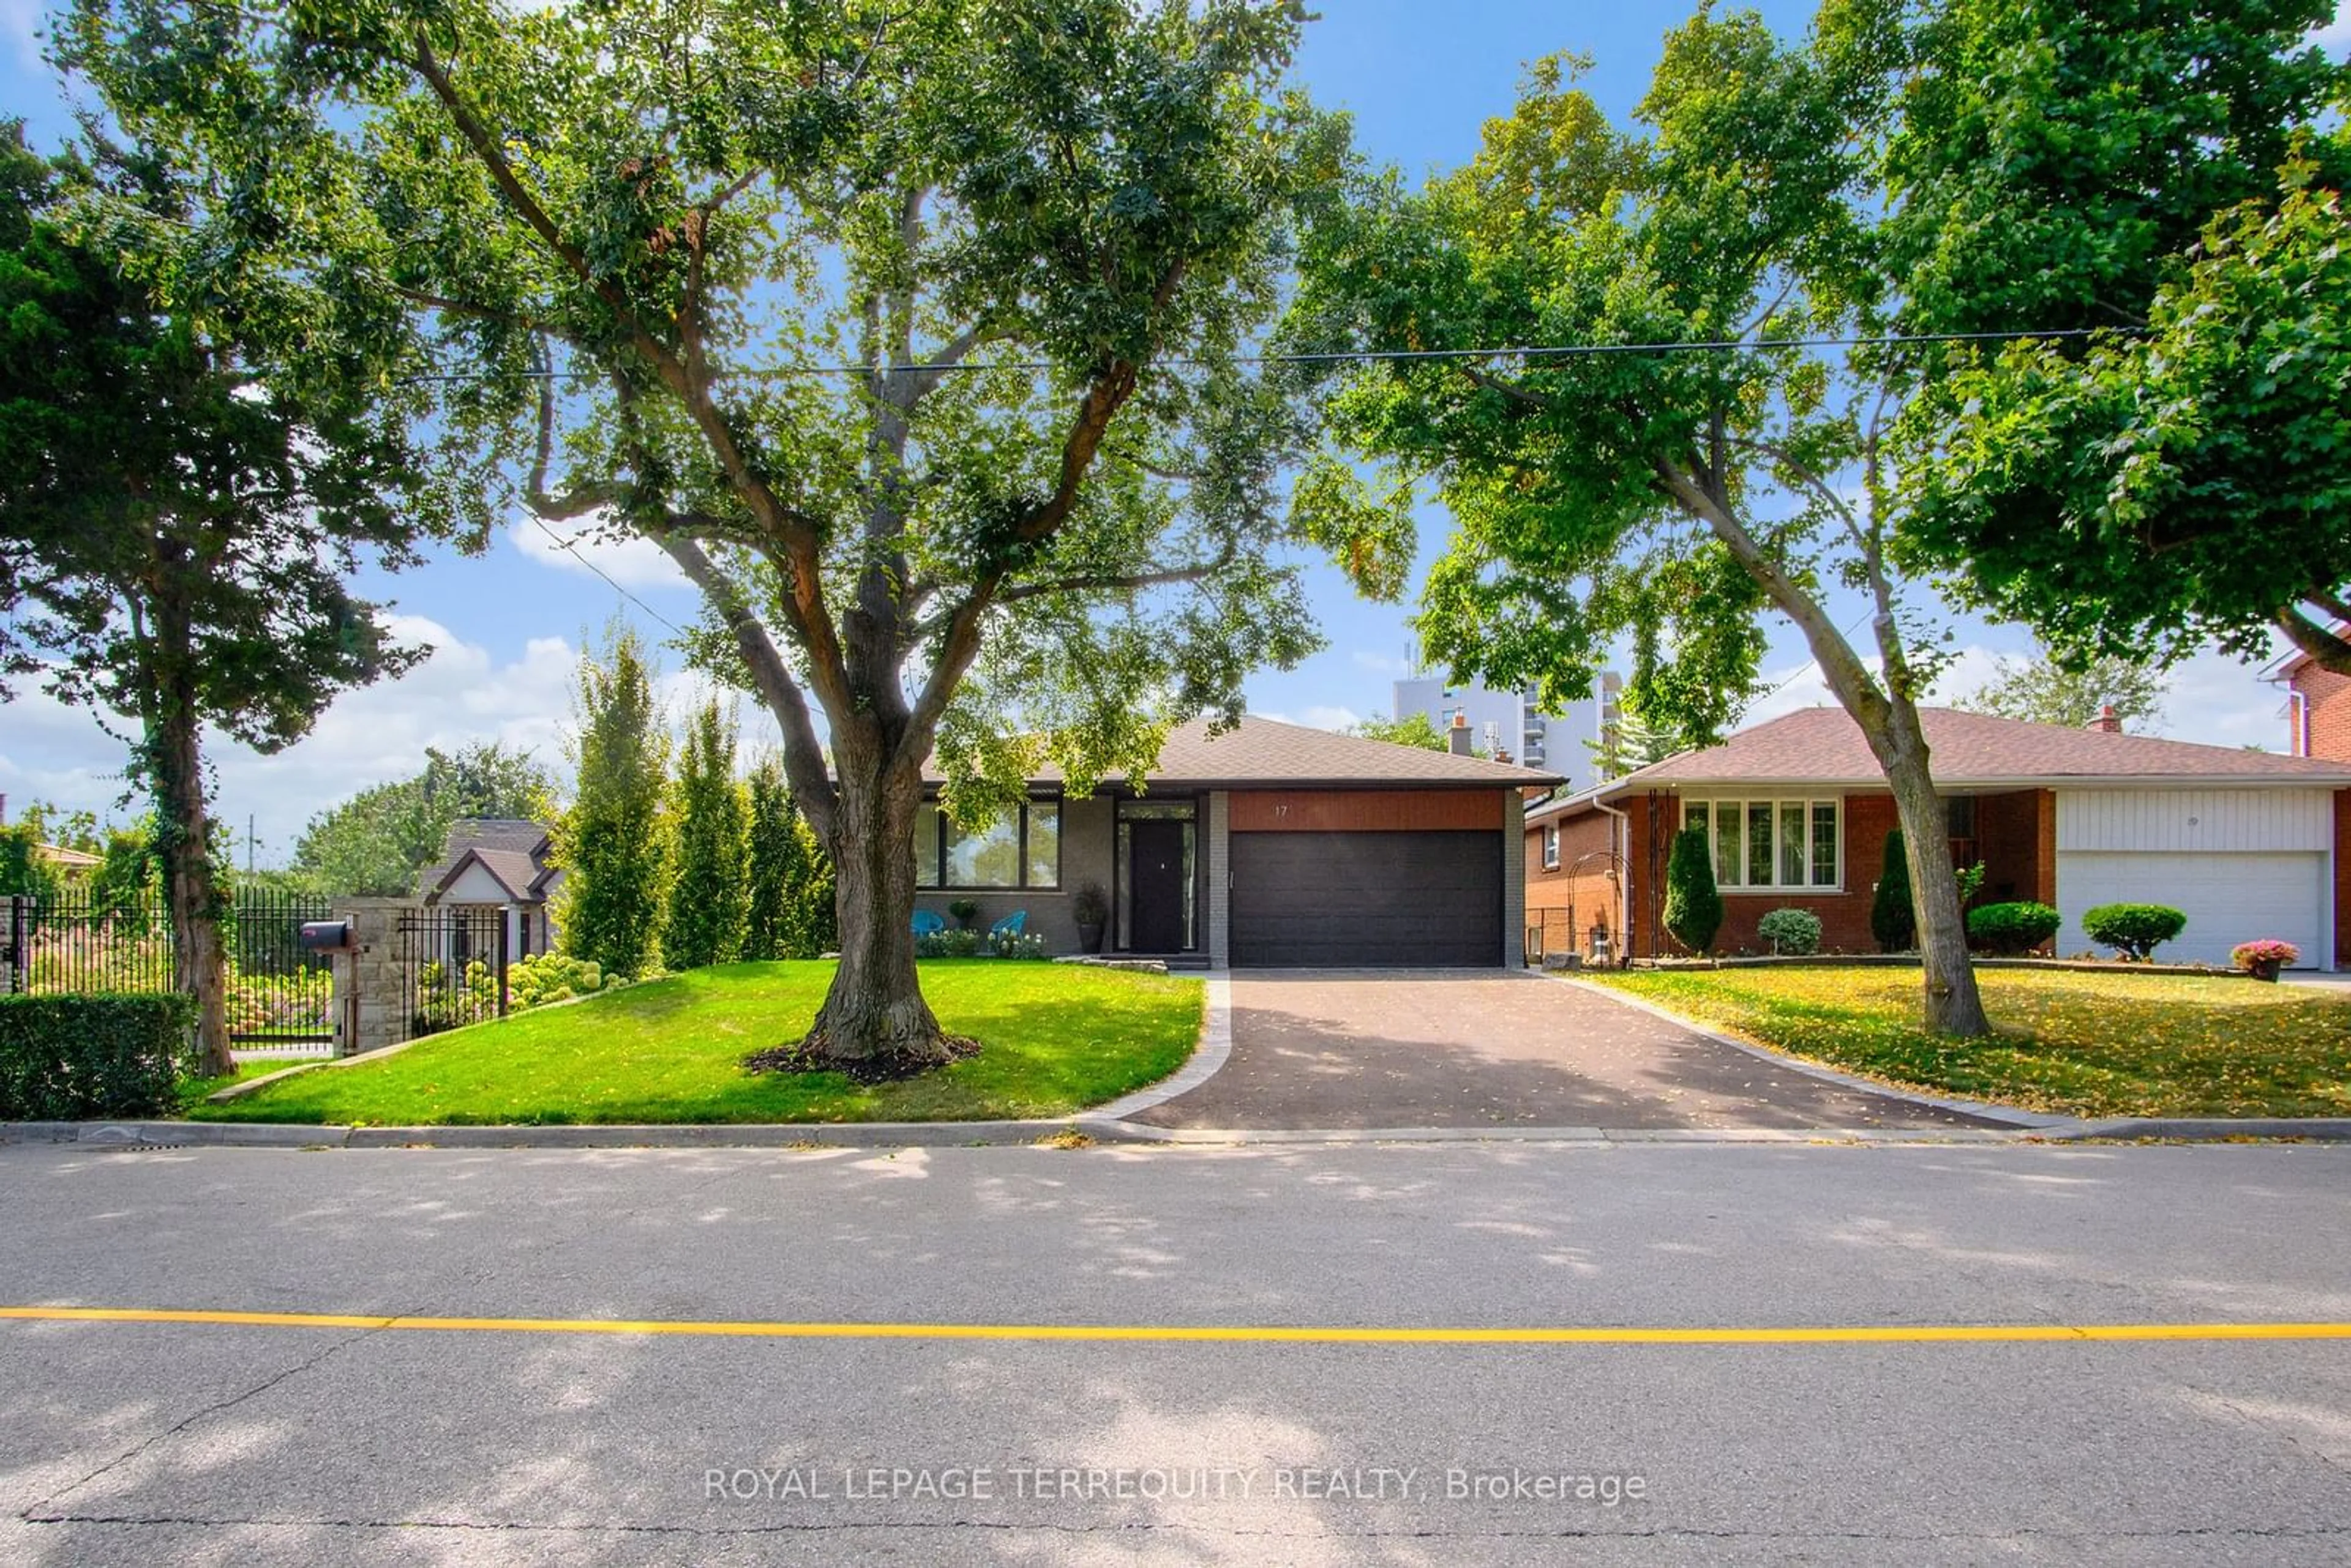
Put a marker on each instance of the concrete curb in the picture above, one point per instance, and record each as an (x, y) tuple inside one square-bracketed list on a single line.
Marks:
[(138, 1135), (2006, 1115), (1106, 1123), (2207, 1129), (1207, 1059)]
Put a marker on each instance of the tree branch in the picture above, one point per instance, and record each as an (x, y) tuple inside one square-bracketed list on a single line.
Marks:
[(480, 312), (1847, 676), (2325, 649), (580, 500), (803, 753), (1510, 390), (493, 159), (1118, 582)]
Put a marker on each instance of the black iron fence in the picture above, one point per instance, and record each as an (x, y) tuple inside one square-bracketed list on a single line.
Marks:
[(278, 992), (452, 964)]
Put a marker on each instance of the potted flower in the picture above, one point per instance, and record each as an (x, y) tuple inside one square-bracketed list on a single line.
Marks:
[(965, 911), (1090, 909), (2262, 959)]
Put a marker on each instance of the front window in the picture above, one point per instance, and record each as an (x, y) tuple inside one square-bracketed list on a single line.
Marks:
[(1551, 845), (1771, 845), (1021, 848)]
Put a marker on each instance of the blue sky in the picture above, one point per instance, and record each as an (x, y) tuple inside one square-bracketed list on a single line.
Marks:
[(1420, 80)]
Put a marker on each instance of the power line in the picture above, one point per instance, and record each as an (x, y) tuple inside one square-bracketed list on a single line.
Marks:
[(1341, 357), (573, 546)]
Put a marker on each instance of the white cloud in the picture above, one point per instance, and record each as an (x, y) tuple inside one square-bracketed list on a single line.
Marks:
[(1379, 663), (459, 695), (20, 23), (632, 561), (1328, 717)]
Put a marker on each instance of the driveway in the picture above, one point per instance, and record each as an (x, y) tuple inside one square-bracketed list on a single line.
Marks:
[(1325, 1049)]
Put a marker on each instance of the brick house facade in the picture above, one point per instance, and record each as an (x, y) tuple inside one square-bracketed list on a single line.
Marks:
[(2056, 816)]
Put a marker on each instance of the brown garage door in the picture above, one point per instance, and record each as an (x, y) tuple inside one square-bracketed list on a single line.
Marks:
[(1408, 899)]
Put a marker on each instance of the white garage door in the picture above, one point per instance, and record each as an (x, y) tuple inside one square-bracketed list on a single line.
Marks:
[(2228, 897)]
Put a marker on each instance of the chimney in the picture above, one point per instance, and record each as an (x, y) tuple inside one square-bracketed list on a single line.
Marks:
[(2108, 720), (1458, 738)]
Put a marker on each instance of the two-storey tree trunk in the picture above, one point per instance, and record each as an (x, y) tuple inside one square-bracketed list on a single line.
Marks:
[(190, 888), (874, 1011), (1953, 1004)]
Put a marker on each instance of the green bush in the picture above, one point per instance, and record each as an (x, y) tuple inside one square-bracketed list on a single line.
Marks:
[(964, 944), (2134, 930), (1893, 918), (1793, 932), (2011, 928), (73, 1057), (546, 978), (1693, 904)]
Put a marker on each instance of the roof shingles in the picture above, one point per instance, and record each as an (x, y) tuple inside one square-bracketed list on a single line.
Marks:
[(1823, 745)]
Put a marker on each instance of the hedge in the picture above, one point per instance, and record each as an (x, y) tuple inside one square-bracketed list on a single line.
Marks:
[(73, 1057)]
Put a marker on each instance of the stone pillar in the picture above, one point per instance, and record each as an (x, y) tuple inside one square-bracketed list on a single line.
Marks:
[(371, 999), (1514, 881), (1220, 880), (15, 930)]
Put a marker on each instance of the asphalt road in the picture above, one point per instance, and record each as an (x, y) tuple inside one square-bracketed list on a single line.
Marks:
[(507, 1442)]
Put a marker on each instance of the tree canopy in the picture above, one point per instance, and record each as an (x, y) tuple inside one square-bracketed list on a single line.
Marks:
[(915, 332), (195, 452), (1607, 487), (2039, 688), (377, 842), (2164, 177)]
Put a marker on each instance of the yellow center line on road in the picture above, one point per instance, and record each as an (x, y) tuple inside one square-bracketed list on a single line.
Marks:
[(1864, 1333)]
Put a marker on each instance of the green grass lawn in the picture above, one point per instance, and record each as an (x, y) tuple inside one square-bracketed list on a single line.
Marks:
[(2069, 1042), (194, 1090), (1055, 1038)]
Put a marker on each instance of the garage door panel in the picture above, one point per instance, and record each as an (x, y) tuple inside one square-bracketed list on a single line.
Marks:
[(2228, 898), (1379, 900)]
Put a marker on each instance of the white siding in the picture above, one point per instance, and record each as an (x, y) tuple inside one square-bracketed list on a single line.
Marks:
[(475, 885), (2195, 819)]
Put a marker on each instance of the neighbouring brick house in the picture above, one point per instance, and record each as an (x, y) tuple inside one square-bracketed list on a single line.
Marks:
[(2318, 708), (2248, 844)]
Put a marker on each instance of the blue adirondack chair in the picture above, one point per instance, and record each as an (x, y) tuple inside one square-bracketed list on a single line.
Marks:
[(929, 922), (1010, 925)]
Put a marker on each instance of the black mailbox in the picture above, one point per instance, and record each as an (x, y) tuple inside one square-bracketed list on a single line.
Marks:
[(327, 935)]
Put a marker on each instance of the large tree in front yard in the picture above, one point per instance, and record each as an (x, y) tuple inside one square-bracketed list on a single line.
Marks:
[(2166, 176), (1669, 496), (914, 330), (192, 459)]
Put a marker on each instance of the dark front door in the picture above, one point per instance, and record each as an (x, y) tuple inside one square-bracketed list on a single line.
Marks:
[(1157, 878)]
